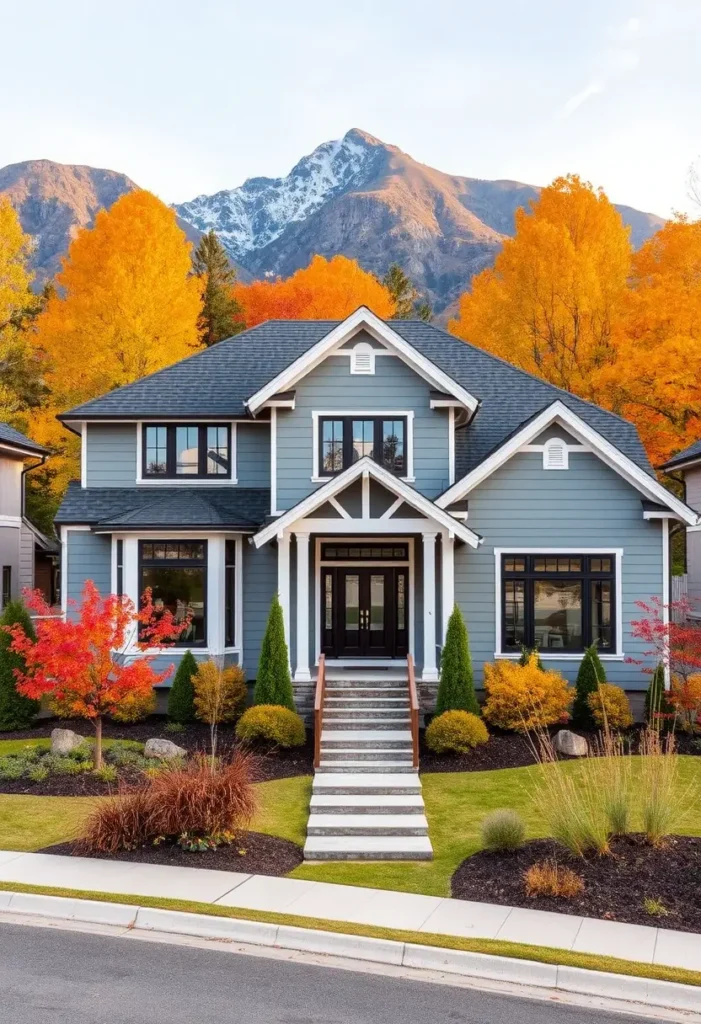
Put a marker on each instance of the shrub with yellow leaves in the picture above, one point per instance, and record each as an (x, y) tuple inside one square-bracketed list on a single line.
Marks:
[(524, 697)]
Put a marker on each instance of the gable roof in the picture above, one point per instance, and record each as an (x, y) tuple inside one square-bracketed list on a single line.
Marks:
[(218, 381), (11, 438), (684, 458)]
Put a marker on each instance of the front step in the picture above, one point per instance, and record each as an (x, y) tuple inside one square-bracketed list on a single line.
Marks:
[(346, 724), (370, 710), (348, 752), (368, 848), (368, 803), (391, 767), (367, 824), (359, 783)]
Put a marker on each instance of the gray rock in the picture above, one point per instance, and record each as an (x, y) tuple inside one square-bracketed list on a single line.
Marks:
[(65, 740), (570, 743), (163, 749)]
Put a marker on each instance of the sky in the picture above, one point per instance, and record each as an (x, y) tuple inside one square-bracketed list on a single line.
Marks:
[(190, 98)]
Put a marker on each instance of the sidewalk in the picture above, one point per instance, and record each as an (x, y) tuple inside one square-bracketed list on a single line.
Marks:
[(352, 904)]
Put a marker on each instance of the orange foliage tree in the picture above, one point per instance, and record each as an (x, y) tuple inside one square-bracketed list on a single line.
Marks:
[(72, 659), (325, 290)]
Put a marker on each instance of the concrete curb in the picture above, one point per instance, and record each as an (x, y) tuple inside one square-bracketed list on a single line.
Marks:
[(624, 988)]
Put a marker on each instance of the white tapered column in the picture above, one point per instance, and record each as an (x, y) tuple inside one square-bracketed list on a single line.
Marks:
[(447, 579), (430, 671), (283, 580), (302, 674)]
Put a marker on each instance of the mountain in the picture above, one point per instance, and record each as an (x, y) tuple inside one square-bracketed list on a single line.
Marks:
[(370, 201)]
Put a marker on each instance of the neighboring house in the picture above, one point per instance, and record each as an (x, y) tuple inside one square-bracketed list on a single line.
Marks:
[(687, 467), (372, 473), (28, 559)]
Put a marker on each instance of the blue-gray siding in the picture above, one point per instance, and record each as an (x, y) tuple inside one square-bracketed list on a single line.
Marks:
[(259, 586), (588, 506), (253, 454), (111, 454), (89, 558)]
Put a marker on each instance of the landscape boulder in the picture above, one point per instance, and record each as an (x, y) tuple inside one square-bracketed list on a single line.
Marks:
[(163, 749), (65, 740), (570, 743)]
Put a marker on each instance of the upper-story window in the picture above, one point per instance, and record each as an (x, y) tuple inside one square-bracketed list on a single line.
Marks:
[(344, 440), (187, 450)]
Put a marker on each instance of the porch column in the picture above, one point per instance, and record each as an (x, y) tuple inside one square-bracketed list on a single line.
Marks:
[(430, 672), (447, 578), (302, 674), (283, 580)]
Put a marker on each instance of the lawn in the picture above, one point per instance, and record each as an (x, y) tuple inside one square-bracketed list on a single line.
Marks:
[(31, 822), (19, 746)]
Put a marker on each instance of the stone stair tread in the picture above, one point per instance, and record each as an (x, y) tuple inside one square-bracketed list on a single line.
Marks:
[(400, 753), (400, 803), (354, 721), (366, 735), (369, 847), (355, 697), (370, 821), (354, 762), (370, 781)]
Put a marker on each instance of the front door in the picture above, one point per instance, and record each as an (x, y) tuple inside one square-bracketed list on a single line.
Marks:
[(364, 612)]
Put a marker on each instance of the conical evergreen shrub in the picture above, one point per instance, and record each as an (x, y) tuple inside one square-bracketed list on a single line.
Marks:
[(181, 699), (16, 711), (591, 673), (656, 701), (273, 682), (526, 653), (456, 689)]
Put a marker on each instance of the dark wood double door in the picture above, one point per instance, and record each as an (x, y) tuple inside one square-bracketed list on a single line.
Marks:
[(365, 612)]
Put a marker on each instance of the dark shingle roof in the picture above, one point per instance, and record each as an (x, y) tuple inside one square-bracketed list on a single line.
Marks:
[(10, 436), (217, 381), (173, 507), (692, 452)]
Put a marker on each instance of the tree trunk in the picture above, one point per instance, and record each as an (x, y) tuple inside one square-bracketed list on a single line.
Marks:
[(98, 742)]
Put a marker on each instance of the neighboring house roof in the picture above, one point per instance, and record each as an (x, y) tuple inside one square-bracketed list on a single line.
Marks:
[(48, 544), (127, 508), (681, 459), (11, 438), (219, 380)]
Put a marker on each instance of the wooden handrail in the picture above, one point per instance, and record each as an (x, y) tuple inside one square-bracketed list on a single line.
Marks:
[(319, 709), (414, 709)]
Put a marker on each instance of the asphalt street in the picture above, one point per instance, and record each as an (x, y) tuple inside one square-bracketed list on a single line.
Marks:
[(52, 976)]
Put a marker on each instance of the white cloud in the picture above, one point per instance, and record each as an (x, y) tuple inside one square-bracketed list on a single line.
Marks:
[(633, 25), (576, 101)]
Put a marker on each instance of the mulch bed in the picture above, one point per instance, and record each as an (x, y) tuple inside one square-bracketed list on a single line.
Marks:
[(615, 886), (503, 750), (255, 854)]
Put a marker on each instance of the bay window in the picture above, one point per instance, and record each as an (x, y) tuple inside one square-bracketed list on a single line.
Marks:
[(180, 450), (345, 440), (176, 572)]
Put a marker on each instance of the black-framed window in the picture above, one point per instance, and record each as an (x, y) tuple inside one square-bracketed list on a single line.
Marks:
[(176, 450), (559, 603), (176, 572), (344, 440), (365, 552), (6, 585), (230, 592), (120, 568)]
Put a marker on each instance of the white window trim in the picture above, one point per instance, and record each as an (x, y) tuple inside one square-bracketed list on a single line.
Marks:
[(572, 549), (451, 445), (407, 414), (362, 348), (185, 481)]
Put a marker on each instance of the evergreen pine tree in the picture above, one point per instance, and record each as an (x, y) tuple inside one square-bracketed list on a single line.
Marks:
[(16, 711), (656, 700), (181, 699), (424, 312), (221, 314), (591, 674), (526, 653), (273, 682), (405, 296), (456, 689)]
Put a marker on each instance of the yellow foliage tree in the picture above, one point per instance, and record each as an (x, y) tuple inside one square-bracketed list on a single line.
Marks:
[(325, 290), (549, 302), (126, 305)]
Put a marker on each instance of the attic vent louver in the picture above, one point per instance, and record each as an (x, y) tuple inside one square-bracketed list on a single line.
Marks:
[(555, 454), (362, 358)]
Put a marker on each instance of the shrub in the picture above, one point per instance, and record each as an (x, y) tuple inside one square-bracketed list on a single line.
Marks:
[(685, 699), (273, 682), (591, 673), (654, 907), (526, 653), (658, 710), (12, 767), (16, 711), (523, 697), (503, 831), (181, 698), (455, 732), (270, 723), (546, 878), (175, 727), (610, 707), (106, 773), (456, 689), (38, 773), (135, 707), (197, 798)]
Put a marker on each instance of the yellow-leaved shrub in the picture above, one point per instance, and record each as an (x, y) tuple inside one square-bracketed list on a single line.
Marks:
[(524, 697), (610, 707), (455, 732)]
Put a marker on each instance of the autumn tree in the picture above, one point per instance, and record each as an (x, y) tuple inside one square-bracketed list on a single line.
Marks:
[(324, 290), (221, 314), (127, 304), (549, 303)]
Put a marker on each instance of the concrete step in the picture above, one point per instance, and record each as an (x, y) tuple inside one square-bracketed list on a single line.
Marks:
[(372, 723), (367, 711), (368, 848), (373, 739), (375, 690), (362, 703), (351, 753), (367, 824), (367, 803), (361, 783), (364, 767)]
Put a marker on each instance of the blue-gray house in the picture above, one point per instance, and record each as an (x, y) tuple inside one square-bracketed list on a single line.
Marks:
[(373, 474)]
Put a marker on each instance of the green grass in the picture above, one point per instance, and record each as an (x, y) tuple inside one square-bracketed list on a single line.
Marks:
[(19, 746), (32, 822), (492, 947)]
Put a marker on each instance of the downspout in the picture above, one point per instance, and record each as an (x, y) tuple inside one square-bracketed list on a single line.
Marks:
[(28, 469)]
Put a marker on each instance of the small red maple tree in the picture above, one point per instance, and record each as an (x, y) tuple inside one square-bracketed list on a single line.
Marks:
[(675, 642), (73, 659)]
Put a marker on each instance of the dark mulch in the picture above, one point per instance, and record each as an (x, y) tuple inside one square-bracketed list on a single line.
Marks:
[(255, 854), (615, 886), (503, 750)]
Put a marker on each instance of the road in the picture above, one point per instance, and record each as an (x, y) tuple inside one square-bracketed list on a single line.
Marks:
[(52, 976)]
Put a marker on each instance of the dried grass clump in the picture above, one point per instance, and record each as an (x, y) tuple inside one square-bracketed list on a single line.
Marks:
[(664, 803), (547, 878)]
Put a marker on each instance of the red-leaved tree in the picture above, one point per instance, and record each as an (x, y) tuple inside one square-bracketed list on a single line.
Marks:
[(73, 660), (674, 641)]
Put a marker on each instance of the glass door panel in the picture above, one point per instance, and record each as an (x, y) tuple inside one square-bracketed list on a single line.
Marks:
[(352, 613)]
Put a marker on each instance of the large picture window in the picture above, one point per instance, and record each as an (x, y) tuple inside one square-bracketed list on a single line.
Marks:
[(176, 572), (176, 451), (558, 603), (344, 440)]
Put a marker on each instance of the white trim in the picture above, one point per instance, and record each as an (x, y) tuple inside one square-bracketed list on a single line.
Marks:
[(363, 414), (283, 579), (554, 450), (364, 527), (451, 445), (572, 549), (430, 670), (238, 612), (393, 508), (365, 504), (273, 462), (360, 350), (694, 529), (652, 516), (14, 449), (666, 596), (83, 455), (447, 579), (361, 319), (279, 403), (302, 673), (541, 447), (445, 403), (186, 481), (338, 483), (12, 521), (339, 508), (607, 452)]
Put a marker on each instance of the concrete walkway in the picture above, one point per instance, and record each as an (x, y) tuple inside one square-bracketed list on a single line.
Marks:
[(379, 907)]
